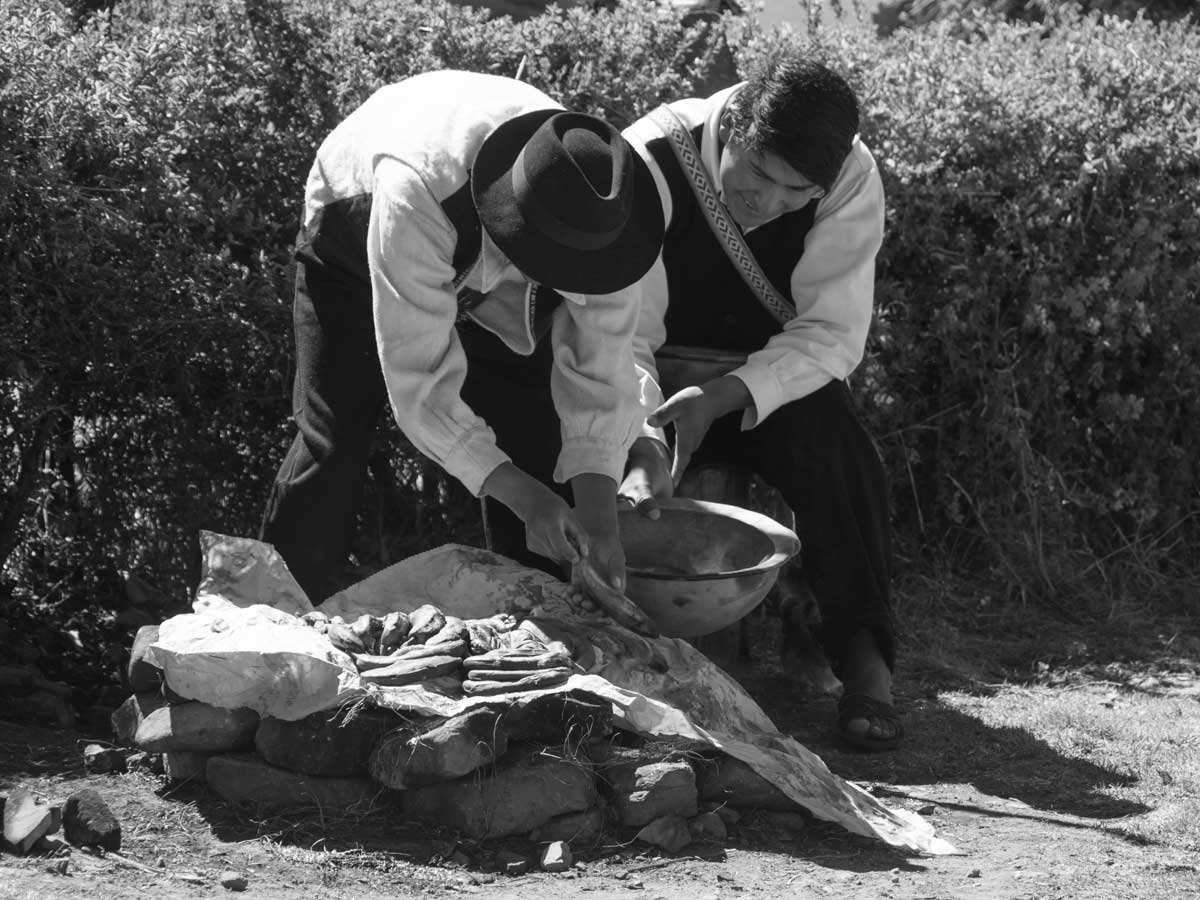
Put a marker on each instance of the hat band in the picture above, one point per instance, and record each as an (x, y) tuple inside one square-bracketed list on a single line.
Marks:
[(551, 225)]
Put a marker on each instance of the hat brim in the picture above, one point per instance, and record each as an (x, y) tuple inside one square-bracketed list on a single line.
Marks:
[(619, 264)]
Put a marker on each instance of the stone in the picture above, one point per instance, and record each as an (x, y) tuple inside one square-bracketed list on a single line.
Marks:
[(102, 760), (576, 717), (648, 791), (512, 863), (186, 765), (557, 857), (731, 781), (246, 780), (788, 821), (129, 716), (728, 814), (140, 760), (28, 817), (413, 756), (88, 822), (143, 677), (198, 727), (708, 827), (233, 881), (669, 832), (530, 791), (578, 828), (332, 742)]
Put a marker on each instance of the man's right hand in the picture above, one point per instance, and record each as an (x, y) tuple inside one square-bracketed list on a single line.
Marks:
[(551, 527), (649, 477)]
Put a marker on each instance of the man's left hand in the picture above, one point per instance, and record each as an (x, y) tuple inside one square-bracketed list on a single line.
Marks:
[(693, 410)]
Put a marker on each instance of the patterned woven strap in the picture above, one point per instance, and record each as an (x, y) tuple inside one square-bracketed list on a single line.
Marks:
[(726, 231)]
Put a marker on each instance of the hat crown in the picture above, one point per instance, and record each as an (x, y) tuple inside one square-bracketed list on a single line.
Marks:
[(568, 201), (571, 179)]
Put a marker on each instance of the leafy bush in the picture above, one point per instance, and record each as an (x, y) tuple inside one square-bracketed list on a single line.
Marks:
[(893, 14), (1033, 368), (1031, 375), (155, 159)]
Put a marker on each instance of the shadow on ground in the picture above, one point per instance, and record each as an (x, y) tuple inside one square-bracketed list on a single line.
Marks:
[(944, 745)]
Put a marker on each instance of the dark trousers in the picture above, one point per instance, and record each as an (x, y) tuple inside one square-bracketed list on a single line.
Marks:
[(338, 397), (817, 454)]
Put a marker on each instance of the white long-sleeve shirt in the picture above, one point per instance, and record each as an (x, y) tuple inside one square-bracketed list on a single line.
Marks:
[(409, 147), (832, 283)]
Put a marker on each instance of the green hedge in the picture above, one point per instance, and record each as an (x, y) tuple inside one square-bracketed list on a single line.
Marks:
[(1031, 374)]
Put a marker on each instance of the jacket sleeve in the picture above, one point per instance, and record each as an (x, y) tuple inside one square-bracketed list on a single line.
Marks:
[(410, 243), (833, 288), (594, 383), (650, 335)]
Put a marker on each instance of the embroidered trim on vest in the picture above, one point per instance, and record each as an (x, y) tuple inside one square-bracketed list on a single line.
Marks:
[(727, 233)]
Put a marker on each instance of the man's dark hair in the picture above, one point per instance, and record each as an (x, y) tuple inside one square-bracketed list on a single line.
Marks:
[(800, 110)]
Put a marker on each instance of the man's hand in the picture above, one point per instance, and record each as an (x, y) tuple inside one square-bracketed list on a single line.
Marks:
[(552, 528), (596, 507), (649, 477), (693, 410)]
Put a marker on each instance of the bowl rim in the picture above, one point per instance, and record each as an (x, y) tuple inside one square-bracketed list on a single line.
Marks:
[(785, 544)]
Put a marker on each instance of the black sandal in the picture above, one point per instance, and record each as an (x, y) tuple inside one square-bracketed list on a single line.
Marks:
[(860, 706)]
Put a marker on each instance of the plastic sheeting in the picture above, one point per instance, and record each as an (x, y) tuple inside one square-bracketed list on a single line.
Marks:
[(233, 652)]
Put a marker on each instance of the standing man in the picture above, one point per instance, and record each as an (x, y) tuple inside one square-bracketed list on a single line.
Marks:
[(790, 186), (462, 232)]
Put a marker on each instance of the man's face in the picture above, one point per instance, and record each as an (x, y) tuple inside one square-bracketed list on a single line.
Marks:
[(758, 187)]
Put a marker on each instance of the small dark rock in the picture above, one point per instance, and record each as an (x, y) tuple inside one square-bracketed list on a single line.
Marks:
[(512, 863), (233, 881), (101, 760), (87, 821)]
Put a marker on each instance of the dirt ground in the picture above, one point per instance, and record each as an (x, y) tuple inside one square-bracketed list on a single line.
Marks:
[(1079, 781)]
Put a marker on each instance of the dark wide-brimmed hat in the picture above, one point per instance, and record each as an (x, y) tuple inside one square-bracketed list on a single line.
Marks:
[(568, 201)]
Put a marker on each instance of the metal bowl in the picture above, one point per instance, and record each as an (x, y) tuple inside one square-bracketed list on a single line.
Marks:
[(701, 566)]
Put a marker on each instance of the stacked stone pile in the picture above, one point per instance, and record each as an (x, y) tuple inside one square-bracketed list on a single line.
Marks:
[(546, 766)]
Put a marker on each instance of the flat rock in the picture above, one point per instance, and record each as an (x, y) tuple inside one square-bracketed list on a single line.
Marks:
[(531, 791), (198, 727), (28, 818), (88, 822), (143, 677), (332, 743), (412, 756), (246, 780), (644, 792), (578, 828), (731, 781)]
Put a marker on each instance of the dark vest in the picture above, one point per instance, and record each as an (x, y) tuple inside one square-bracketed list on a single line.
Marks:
[(336, 240), (709, 304)]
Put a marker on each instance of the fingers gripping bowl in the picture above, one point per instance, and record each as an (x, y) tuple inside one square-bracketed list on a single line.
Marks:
[(701, 566)]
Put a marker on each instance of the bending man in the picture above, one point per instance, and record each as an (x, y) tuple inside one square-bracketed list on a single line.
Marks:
[(462, 232)]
